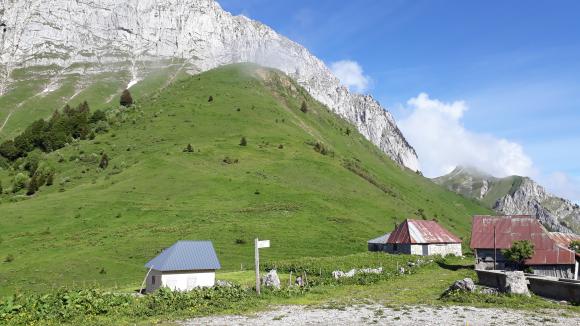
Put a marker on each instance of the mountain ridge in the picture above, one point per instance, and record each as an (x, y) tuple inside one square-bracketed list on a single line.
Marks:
[(514, 195), (104, 36)]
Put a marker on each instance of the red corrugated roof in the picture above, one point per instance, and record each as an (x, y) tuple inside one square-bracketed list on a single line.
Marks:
[(519, 227), (421, 231)]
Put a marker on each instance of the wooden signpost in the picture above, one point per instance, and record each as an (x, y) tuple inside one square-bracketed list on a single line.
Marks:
[(259, 244)]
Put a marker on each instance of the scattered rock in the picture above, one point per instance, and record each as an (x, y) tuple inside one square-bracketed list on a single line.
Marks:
[(489, 291), (352, 272), (516, 283), (271, 279), (299, 281), (223, 283)]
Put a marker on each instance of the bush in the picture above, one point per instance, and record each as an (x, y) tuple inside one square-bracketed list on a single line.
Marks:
[(19, 182), (32, 186), (229, 160), (243, 141), (104, 161), (126, 99), (188, 149), (304, 107), (574, 245), (98, 116), (9, 258), (210, 99), (322, 149), (519, 252)]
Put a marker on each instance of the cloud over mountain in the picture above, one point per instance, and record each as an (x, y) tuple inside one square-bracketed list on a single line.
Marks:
[(442, 142), (351, 75)]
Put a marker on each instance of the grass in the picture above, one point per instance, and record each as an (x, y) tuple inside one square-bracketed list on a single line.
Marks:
[(397, 291), (99, 227)]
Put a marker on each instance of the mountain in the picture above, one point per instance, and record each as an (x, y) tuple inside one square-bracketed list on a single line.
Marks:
[(302, 180), (514, 195), (68, 50)]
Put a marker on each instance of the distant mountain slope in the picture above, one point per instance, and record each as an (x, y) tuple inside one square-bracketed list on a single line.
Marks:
[(514, 195), (309, 182), (69, 49)]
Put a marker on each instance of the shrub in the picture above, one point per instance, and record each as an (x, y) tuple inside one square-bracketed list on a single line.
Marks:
[(104, 161), (210, 99), (188, 149), (519, 252), (304, 107), (32, 186), (229, 160), (574, 245), (322, 149), (240, 241), (101, 127), (1, 189), (126, 99), (97, 116), (19, 182), (9, 258), (243, 141)]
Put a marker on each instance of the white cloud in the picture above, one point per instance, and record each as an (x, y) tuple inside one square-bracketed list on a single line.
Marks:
[(351, 75), (435, 129)]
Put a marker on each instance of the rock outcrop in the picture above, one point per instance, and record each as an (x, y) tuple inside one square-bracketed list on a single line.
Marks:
[(85, 37), (514, 195), (530, 198)]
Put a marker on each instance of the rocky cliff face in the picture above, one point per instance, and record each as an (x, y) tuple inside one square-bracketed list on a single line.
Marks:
[(92, 36), (514, 195), (557, 214)]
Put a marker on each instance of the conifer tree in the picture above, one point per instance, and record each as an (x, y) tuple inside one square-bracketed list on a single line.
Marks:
[(304, 107), (126, 98)]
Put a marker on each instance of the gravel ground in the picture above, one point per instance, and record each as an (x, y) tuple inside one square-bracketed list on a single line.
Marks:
[(379, 315)]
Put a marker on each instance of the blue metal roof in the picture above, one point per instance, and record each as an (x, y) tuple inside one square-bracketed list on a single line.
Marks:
[(186, 256)]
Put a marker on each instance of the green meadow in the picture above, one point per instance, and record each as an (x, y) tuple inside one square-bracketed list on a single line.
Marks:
[(308, 181)]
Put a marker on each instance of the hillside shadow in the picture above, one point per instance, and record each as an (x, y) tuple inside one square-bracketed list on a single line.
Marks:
[(454, 267)]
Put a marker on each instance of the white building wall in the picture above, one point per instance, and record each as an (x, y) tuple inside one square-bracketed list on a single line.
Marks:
[(149, 285), (179, 281), (188, 280), (444, 249), (417, 249)]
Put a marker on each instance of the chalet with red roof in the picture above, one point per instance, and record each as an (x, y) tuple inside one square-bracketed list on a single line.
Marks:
[(418, 237), (552, 257)]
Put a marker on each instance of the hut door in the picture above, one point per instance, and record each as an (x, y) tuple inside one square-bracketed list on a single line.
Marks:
[(425, 250)]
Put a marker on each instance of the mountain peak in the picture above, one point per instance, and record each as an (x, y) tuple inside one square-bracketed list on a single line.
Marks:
[(72, 38)]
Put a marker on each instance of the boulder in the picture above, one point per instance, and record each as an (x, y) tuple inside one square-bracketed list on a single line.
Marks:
[(271, 279), (466, 285), (516, 283), (299, 281)]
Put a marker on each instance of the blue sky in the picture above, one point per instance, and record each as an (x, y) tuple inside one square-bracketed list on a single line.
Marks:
[(512, 69)]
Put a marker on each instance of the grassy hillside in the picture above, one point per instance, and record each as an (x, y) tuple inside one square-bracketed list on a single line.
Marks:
[(37, 91), (307, 181)]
